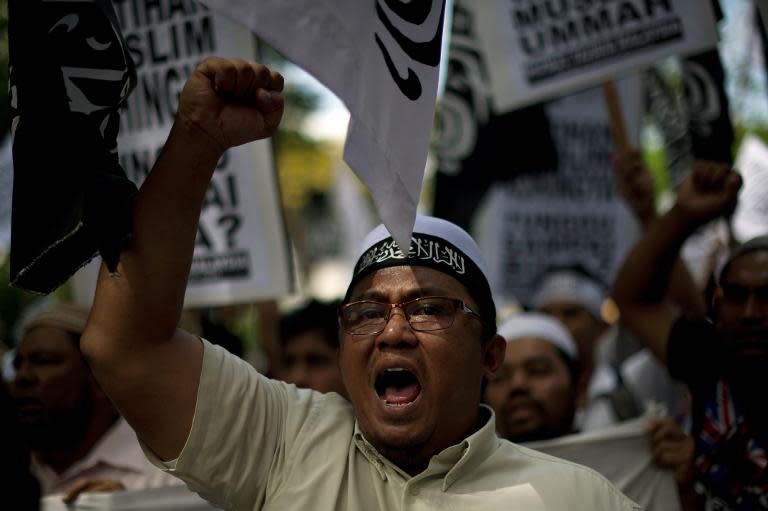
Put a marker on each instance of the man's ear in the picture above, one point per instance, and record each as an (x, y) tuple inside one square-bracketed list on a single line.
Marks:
[(495, 349)]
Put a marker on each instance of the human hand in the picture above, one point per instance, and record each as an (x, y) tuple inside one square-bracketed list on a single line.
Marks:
[(91, 485), (231, 102), (710, 190), (635, 183), (672, 448)]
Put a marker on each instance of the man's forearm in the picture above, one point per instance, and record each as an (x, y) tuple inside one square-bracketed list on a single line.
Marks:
[(144, 303), (646, 271)]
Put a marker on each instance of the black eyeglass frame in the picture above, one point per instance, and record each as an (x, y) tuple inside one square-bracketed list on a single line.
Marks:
[(458, 304)]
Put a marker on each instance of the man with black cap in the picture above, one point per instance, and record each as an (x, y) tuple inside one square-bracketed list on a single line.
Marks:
[(723, 359), (418, 343)]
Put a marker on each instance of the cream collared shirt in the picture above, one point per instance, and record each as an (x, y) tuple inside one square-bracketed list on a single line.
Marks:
[(117, 456), (256, 443)]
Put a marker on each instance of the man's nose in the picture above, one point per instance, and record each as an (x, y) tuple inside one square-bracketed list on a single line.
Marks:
[(298, 375), (397, 330), (518, 381), (24, 375), (754, 309)]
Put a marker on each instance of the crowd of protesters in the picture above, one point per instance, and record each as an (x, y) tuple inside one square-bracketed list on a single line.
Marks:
[(403, 394)]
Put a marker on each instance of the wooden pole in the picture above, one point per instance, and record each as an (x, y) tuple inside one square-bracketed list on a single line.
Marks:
[(618, 128)]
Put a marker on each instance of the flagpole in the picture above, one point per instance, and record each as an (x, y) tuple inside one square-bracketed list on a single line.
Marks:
[(613, 104)]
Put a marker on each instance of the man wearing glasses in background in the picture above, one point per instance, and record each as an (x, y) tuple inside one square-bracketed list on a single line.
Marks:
[(418, 343)]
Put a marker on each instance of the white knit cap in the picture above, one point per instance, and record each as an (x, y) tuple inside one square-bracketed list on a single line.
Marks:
[(541, 326), (435, 243), (570, 286)]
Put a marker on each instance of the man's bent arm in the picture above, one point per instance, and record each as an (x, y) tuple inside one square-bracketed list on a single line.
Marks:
[(710, 190), (149, 368)]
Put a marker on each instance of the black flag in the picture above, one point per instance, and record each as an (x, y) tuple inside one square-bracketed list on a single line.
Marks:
[(709, 120), (477, 147), (69, 72)]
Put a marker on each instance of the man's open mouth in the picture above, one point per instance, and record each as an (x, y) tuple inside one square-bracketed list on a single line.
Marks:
[(397, 386)]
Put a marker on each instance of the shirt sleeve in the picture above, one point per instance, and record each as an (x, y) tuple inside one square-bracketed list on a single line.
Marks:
[(242, 432), (693, 350)]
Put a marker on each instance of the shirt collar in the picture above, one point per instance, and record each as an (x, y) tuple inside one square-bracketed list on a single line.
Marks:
[(452, 462)]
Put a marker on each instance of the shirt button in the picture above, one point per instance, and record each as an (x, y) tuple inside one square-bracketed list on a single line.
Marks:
[(413, 491)]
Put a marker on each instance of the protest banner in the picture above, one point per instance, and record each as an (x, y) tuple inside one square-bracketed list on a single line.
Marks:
[(241, 251), (545, 48), (750, 218), (571, 216), (622, 455), (168, 498), (381, 58)]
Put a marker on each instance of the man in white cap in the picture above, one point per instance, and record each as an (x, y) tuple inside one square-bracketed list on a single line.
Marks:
[(418, 342), (723, 358), (79, 442), (535, 393), (575, 298)]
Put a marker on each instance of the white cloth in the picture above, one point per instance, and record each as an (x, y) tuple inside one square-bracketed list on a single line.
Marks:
[(116, 456), (256, 443), (382, 60), (598, 413), (621, 454)]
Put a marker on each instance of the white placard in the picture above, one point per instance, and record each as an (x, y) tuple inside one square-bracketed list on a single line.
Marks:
[(571, 216), (241, 251), (541, 48)]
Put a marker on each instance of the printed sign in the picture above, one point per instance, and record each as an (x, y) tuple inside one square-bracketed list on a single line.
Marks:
[(571, 216), (544, 48), (241, 252)]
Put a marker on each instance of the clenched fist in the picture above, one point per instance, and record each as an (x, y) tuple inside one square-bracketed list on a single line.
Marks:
[(230, 102)]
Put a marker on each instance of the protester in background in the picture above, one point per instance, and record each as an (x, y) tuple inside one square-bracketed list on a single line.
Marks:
[(723, 359), (575, 297), (419, 341), (309, 337), (536, 391), (78, 441)]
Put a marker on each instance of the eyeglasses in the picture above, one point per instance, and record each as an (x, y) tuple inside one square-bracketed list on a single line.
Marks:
[(739, 295), (424, 314)]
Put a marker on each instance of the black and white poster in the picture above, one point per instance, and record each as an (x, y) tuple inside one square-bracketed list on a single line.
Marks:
[(545, 48), (476, 147), (241, 251), (573, 216)]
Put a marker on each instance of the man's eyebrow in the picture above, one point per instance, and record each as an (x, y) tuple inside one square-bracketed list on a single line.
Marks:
[(410, 295)]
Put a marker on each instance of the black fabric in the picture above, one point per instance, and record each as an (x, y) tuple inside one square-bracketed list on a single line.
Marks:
[(70, 71), (694, 352), (477, 147), (709, 118)]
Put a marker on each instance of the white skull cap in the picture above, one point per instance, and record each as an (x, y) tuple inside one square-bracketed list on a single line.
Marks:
[(541, 326)]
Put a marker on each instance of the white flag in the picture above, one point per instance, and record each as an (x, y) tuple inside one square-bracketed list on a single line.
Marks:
[(381, 58)]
